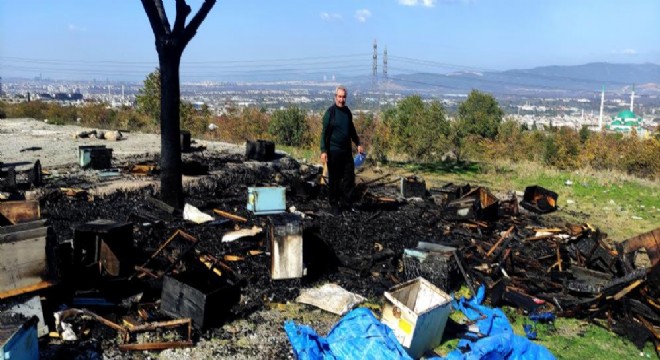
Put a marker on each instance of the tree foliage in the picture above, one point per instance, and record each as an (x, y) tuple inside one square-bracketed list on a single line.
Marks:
[(289, 127), (480, 114), (417, 129), (148, 97)]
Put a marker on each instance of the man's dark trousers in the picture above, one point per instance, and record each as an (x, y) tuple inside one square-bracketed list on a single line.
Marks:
[(341, 174)]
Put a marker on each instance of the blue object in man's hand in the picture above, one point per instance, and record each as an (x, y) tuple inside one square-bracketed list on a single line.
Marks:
[(359, 159)]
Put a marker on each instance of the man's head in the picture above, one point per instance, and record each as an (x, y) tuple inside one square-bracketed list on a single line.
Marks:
[(340, 96)]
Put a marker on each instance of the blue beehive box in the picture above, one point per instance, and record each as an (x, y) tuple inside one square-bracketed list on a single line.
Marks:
[(18, 338), (266, 200)]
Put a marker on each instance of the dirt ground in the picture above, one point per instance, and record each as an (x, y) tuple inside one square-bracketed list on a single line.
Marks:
[(360, 250), (24, 141)]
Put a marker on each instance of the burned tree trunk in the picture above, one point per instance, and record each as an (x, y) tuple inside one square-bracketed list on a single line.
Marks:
[(170, 43), (171, 186)]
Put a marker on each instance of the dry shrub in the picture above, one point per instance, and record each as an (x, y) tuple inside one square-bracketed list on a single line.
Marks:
[(240, 126)]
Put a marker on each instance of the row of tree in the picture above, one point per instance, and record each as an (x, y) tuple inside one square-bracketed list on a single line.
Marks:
[(413, 130)]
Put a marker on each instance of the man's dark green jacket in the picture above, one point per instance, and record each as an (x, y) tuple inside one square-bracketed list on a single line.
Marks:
[(342, 130)]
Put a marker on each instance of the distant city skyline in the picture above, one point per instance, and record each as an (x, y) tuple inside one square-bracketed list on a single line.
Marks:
[(251, 39)]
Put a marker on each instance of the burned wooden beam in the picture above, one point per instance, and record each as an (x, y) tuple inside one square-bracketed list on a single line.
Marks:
[(504, 236), (230, 215)]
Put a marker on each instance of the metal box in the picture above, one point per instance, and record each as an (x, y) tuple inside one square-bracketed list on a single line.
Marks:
[(266, 200), (417, 313), (286, 247)]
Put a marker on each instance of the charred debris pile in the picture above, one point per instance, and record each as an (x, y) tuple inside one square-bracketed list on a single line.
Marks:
[(129, 264)]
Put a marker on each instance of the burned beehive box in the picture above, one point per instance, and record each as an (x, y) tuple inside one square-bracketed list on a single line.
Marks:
[(169, 256), (18, 337), (413, 186), (199, 293), (19, 211), (96, 157), (436, 263), (442, 195), (23, 259), (185, 140), (539, 200), (286, 246), (105, 245), (478, 204), (260, 150)]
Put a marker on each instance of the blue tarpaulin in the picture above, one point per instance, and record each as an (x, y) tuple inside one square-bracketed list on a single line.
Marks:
[(356, 336), (499, 341)]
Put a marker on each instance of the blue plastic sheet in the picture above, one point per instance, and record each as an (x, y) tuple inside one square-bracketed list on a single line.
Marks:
[(356, 336), (499, 342)]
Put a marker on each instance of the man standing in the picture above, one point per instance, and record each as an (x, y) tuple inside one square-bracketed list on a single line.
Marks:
[(338, 131)]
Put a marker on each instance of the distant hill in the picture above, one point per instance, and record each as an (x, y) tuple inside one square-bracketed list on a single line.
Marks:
[(546, 80)]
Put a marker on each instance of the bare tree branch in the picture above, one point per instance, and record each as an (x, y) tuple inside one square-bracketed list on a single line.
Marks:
[(182, 12), (157, 17), (193, 25)]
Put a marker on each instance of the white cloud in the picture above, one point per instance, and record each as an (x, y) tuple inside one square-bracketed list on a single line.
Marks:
[(629, 52), (74, 28), (362, 15), (425, 3), (326, 16)]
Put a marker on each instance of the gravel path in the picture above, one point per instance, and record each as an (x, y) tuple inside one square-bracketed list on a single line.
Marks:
[(24, 141)]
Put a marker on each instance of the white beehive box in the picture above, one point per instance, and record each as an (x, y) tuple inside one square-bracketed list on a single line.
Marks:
[(417, 312)]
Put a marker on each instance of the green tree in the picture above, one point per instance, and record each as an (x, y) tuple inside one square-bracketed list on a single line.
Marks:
[(289, 126), (148, 97), (417, 129), (584, 134), (170, 43), (480, 114)]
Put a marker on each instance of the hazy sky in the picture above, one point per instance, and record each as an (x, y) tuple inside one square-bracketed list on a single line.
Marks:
[(84, 39)]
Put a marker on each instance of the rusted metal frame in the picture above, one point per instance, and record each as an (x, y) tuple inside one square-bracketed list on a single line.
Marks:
[(156, 346), (159, 345), (103, 320)]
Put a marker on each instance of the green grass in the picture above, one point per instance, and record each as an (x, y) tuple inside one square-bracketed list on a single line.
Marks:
[(618, 204), (622, 206), (568, 339)]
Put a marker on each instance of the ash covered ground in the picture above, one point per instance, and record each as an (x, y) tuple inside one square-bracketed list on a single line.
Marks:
[(360, 250)]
